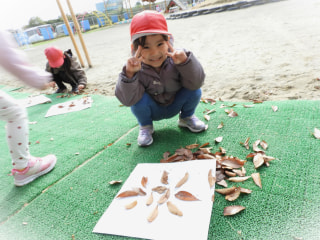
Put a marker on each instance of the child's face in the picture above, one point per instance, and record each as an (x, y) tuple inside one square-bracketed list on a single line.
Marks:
[(154, 52)]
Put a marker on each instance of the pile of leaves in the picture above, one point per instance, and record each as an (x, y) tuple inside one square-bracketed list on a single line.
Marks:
[(228, 168)]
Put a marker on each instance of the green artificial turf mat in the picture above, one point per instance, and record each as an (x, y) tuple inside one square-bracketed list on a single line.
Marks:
[(287, 207), (73, 138)]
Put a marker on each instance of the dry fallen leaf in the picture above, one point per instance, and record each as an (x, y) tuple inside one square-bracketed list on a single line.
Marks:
[(153, 214), (164, 178), (222, 183), (218, 139), (144, 181), (206, 117), (225, 191), (131, 205), (129, 193), (186, 196), (220, 125), (150, 199), (173, 209), (183, 180), (238, 179), (192, 146), (159, 189), (232, 210), (164, 197), (234, 195), (264, 144), (204, 145), (256, 178), (258, 160), (115, 182), (211, 179), (274, 108), (316, 133)]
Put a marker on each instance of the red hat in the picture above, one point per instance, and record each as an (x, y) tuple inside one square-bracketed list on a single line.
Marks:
[(54, 56), (147, 23)]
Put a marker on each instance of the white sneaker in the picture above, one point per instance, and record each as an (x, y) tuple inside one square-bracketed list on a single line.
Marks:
[(145, 135), (193, 123)]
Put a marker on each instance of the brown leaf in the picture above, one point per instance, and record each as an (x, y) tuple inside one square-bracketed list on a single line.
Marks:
[(225, 191), (211, 179), (256, 178), (258, 160), (164, 178), (183, 180), (207, 117), (238, 179), (205, 156), (232, 210), (264, 144), (150, 199), (255, 146), (144, 181), (223, 183), (231, 113), (245, 190), (230, 173), (173, 209), (164, 197), (131, 205), (159, 189), (153, 214), (192, 146), (115, 182), (220, 125), (186, 196), (234, 195), (204, 145), (139, 191), (129, 193)]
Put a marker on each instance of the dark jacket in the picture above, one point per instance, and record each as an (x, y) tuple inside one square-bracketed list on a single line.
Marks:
[(163, 86), (70, 72)]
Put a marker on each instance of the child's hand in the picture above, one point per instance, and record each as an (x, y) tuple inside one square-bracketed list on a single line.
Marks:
[(134, 64), (178, 56)]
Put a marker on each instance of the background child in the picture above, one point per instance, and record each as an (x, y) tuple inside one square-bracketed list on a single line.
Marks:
[(26, 168), (65, 69), (159, 82)]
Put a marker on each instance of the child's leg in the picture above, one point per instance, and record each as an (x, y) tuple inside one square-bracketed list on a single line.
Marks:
[(17, 129), (26, 168), (186, 101), (147, 110)]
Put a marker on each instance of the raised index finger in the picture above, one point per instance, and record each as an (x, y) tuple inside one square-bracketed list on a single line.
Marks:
[(170, 46), (138, 52)]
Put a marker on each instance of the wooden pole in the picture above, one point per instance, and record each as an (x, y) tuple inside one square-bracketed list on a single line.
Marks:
[(76, 24), (70, 32), (130, 9)]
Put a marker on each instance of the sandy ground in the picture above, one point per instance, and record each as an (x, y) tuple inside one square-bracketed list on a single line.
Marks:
[(266, 52)]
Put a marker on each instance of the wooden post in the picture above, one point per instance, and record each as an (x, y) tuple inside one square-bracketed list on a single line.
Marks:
[(130, 9), (76, 24), (70, 32)]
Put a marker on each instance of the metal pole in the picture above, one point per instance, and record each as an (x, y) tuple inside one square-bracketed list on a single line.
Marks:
[(77, 27), (70, 33)]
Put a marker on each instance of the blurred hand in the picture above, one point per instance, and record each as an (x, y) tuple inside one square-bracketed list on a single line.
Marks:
[(80, 87), (134, 64), (178, 56)]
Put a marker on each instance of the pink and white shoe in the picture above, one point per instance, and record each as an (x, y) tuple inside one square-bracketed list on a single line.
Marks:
[(36, 168)]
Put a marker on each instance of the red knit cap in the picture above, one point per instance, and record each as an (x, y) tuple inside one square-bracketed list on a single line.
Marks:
[(147, 23), (54, 56)]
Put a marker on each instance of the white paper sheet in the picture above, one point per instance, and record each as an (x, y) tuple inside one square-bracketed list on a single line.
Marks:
[(70, 106), (34, 100), (193, 224)]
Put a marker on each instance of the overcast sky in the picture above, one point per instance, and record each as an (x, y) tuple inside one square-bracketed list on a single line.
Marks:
[(16, 13)]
